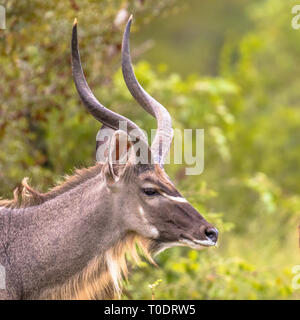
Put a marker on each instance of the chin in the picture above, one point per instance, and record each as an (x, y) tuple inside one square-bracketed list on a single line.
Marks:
[(158, 247)]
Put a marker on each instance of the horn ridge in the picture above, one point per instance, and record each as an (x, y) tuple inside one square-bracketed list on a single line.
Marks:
[(164, 134)]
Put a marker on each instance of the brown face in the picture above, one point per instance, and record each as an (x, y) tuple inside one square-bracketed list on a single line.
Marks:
[(175, 219), (150, 204)]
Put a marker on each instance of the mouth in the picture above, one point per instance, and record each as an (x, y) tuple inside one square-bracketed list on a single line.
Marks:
[(197, 244), (184, 242)]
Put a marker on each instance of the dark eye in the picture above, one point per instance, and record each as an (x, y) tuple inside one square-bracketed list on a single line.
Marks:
[(150, 192)]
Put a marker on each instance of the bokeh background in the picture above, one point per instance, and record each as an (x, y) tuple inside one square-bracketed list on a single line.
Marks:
[(230, 67)]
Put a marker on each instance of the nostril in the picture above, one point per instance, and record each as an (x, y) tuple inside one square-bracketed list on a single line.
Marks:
[(212, 234)]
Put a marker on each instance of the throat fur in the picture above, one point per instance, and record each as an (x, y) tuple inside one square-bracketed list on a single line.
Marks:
[(102, 278)]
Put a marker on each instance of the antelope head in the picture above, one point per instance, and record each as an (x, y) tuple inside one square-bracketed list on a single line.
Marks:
[(143, 198)]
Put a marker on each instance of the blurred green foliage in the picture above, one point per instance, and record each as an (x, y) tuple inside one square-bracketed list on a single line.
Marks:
[(246, 98)]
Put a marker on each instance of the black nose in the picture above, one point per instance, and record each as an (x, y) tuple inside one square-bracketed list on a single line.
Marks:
[(212, 234)]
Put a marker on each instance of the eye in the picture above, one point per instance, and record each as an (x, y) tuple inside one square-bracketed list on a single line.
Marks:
[(150, 192)]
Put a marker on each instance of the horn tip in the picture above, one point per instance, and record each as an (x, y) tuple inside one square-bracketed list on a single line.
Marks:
[(75, 22), (130, 17)]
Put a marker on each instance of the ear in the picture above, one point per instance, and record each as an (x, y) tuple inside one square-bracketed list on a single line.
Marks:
[(120, 154), (103, 140)]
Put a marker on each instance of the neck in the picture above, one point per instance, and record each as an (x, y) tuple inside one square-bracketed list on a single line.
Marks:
[(68, 246), (101, 278)]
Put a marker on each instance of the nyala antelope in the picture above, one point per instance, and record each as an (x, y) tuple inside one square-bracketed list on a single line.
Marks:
[(71, 242)]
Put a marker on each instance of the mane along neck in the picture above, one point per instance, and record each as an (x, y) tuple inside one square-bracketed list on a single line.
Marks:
[(25, 196), (102, 278)]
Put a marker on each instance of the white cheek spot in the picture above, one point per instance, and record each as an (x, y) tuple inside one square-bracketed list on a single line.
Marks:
[(142, 212), (176, 199), (153, 230)]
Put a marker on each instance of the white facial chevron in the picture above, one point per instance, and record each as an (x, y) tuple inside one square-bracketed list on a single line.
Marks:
[(176, 199)]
